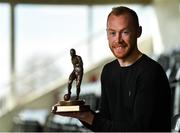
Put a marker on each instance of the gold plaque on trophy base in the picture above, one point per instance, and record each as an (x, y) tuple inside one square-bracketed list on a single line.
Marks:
[(70, 106)]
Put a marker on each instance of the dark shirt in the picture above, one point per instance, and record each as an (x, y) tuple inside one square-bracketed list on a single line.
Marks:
[(134, 98)]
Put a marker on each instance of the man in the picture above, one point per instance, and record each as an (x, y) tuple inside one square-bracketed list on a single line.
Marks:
[(77, 74), (135, 93)]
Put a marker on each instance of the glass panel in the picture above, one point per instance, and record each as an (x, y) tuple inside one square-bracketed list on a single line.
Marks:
[(44, 36), (4, 46)]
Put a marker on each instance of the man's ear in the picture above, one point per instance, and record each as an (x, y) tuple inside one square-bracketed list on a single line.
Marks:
[(139, 31)]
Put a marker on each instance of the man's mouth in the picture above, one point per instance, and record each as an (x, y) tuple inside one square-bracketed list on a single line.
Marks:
[(119, 49)]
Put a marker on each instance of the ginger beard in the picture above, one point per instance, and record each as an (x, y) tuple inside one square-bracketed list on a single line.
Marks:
[(122, 50)]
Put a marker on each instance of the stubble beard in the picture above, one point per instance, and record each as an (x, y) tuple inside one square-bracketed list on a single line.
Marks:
[(124, 51)]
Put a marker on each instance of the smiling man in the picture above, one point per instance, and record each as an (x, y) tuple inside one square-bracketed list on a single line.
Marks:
[(135, 93), (123, 31)]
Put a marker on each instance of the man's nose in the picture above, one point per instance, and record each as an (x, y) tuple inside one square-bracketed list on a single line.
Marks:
[(119, 38)]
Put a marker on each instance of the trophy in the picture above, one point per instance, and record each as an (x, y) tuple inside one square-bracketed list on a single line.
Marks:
[(69, 105)]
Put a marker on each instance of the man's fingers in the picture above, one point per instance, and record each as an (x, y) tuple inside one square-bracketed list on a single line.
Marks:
[(77, 115), (70, 114)]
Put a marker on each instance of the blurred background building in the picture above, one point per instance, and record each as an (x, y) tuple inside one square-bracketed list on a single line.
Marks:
[(35, 39)]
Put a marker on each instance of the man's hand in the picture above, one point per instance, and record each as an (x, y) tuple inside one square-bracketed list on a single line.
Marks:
[(86, 116)]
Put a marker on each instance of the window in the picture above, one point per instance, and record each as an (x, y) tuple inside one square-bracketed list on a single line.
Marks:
[(4, 46)]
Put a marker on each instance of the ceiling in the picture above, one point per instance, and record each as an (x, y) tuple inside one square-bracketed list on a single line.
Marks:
[(79, 2)]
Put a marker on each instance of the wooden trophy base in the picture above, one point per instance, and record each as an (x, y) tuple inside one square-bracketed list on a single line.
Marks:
[(70, 106)]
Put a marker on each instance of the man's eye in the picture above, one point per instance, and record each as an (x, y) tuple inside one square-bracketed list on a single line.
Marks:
[(112, 33), (125, 32)]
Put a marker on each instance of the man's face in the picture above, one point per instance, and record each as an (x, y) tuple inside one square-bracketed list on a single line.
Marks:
[(122, 35)]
